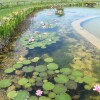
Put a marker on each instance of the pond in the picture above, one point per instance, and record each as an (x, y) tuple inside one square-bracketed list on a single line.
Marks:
[(47, 34)]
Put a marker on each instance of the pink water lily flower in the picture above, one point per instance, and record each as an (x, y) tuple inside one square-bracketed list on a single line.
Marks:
[(39, 92), (96, 88)]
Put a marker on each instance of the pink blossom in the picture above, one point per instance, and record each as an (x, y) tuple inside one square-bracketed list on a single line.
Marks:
[(96, 88), (39, 92)]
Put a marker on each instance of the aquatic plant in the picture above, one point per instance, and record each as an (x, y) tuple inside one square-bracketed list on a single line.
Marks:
[(63, 96), (39, 92), (26, 62), (48, 86), (88, 80), (44, 98), (33, 98), (40, 68), (52, 66), (36, 59), (66, 71), (77, 73), (22, 95), (28, 69), (54, 81), (40, 40), (5, 83), (17, 65), (12, 94), (96, 88), (48, 60), (9, 70), (52, 94), (22, 81), (71, 84), (61, 78), (59, 88)]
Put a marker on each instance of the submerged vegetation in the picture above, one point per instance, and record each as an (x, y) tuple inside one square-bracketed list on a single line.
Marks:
[(48, 79)]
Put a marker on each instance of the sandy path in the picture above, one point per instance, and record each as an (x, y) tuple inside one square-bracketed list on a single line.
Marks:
[(89, 36)]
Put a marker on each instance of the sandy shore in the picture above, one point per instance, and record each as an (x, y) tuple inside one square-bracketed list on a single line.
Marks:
[(88, 36)]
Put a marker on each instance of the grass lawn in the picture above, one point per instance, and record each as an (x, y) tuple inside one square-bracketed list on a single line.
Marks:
[(7, 11)]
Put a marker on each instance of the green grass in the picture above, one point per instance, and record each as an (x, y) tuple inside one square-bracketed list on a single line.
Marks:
[(7, 11)]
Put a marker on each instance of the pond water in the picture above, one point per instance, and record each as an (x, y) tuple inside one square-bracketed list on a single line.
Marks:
[(93, 26), (70, 50)]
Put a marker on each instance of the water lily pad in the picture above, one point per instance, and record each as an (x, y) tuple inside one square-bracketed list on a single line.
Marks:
[(33, 98), (44, 98), (87, 87), (63, 96), (17, 65), (23, 81), (12, 94), (5, 83), (66, 71), (43, 74), (32, 80), (88, 79), (48, 60), (59, 88), (36, 59), (9, 70), (40, 83), (77, 73), (50, 72), (27, 85), (28, 69), (40, 68), (79, 80), (71, 85), (52, 94), (57, 71), (48, 86), (61, 79), (52, 66), (22, 95), (26, 62)]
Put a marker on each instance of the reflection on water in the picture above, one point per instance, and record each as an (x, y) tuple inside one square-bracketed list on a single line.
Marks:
[(70, 51)]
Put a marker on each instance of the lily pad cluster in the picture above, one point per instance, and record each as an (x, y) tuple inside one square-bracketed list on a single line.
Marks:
[(53, 82), (34, 40)]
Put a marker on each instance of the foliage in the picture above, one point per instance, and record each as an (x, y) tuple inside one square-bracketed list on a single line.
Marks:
[(52, 66), (5, 83), (61, 79), (36, 59), (17, 65), (71, 85), (63, 96), (65, 71), (38, 40), (12, 94), (40, 68), (28, 69), (22, 81), (59, 88), (48, 86), (48, 60), (22, 95), (9, 70)]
